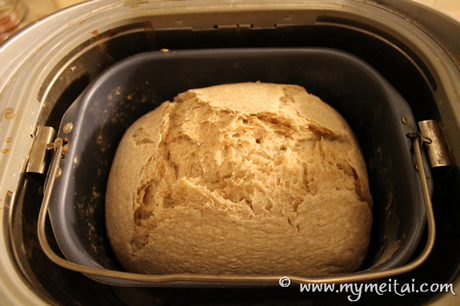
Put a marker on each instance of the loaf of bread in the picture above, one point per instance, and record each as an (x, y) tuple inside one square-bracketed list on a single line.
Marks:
[(247, 178)]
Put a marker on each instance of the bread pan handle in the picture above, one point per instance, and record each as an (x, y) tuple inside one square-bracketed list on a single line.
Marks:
[(417, 141)]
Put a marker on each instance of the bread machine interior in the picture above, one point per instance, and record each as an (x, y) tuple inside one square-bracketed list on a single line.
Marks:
[(349, 26), (135, 86)]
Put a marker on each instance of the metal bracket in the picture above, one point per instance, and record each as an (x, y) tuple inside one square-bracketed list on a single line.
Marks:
[(435, 144), (43, 142)]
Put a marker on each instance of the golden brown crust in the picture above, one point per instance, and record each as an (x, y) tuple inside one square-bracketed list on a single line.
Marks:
[(248, 178)]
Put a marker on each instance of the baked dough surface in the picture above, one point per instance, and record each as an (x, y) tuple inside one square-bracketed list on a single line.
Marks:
[(247, 178)]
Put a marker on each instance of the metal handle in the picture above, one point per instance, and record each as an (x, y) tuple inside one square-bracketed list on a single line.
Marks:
[(417, 141)]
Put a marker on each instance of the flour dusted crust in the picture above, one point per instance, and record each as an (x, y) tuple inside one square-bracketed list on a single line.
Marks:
[(247, 178)]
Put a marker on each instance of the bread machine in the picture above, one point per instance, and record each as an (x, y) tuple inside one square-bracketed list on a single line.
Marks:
[(54, 61)]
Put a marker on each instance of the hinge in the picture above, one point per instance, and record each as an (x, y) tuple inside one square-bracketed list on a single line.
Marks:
[(435, 144), (43, 142)]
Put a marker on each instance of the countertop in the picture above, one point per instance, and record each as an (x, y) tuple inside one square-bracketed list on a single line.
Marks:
[(40, 8)]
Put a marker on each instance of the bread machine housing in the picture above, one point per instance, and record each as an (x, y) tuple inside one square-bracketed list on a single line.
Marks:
[(411, 46)]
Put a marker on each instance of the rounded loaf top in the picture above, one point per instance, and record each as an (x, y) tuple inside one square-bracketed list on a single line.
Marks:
[(246, 178)]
